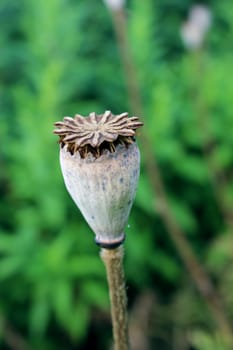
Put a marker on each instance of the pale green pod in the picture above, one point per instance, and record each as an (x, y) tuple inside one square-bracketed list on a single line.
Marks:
[(103, 189)]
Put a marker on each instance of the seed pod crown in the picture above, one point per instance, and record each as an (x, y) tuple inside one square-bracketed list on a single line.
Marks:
[(96, 133)]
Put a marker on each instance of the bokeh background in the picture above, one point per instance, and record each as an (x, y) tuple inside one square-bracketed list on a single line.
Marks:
[(61, 57)]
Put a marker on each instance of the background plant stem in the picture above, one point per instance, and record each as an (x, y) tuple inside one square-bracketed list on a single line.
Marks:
[(12, 337), (196, 270), (217, 174), (113, 259)]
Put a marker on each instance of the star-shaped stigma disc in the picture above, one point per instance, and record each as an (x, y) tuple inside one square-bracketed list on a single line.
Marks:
[(95, 133)]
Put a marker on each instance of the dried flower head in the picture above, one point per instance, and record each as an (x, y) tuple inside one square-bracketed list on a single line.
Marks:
[(115, 4), (100, 163), (201, 16), (193, 31), (95, 133)]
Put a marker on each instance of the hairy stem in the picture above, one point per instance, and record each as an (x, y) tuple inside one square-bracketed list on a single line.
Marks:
[(113, 259), (197, 272)]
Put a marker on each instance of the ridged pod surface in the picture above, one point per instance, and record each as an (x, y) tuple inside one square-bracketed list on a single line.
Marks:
[(100, 163), (103, 189)]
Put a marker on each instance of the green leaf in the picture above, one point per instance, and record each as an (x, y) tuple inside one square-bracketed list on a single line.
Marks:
[(95, 293)]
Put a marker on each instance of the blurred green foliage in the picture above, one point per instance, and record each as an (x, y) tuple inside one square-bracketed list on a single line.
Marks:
[(60, 57)]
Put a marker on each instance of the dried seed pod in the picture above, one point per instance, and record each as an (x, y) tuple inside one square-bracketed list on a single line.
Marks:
[(115, 4), (194, 30), (100, 165)]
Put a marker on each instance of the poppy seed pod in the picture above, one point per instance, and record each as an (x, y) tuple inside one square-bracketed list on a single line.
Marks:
[(100, 165)]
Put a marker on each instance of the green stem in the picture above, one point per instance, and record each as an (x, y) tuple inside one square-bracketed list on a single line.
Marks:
[(113, 259)]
